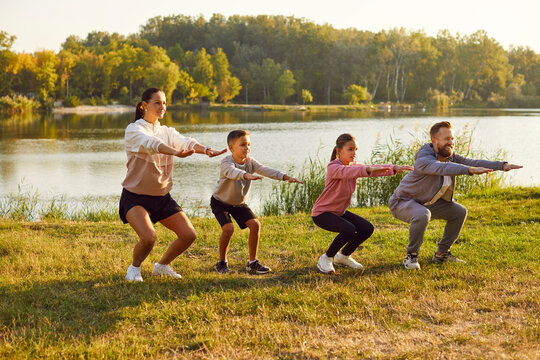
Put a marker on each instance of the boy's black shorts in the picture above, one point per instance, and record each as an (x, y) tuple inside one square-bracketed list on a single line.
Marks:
[(223, 213), (158, 207)]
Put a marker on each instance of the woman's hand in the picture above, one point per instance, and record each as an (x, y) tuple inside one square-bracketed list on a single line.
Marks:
[(211, 152), (184, 153)]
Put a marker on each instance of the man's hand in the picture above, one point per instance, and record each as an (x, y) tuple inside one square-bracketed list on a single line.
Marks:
[(211, 152), (184, 153), (292, 180), (508, 167), (402, 168), (479, 170), (248, 176)]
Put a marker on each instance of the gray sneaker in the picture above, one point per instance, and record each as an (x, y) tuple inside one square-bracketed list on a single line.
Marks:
[(446, 257), (411, 261)]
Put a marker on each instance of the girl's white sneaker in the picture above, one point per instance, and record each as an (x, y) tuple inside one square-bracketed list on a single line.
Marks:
[(325, 264), (134, 274), (347, 261)]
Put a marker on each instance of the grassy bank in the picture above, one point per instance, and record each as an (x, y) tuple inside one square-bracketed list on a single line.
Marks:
[(63, 295)]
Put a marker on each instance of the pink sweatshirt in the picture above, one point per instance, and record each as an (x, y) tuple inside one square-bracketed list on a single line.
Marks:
[(340, 184)]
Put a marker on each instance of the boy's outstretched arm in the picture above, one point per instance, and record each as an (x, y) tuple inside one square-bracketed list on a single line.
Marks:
[(291, 179)]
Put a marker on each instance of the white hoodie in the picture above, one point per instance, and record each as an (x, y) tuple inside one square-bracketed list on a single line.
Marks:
[(149, 172)]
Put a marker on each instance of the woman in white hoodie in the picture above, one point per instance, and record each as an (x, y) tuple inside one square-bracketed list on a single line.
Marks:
[(151, 148)]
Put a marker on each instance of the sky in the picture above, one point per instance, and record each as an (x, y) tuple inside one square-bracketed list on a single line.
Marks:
[(40, 24)]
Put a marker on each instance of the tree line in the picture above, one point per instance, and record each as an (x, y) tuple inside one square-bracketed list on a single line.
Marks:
[(274, 59)]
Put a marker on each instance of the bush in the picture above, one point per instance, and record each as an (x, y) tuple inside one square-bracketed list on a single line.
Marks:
[(288, 198), (17, 104), (71, 101), (377, 191)]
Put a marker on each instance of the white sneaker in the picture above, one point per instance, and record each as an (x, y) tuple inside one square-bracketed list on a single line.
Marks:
[(133, 273), (325, 264), (160, 269), (411, 261), (347, 261)]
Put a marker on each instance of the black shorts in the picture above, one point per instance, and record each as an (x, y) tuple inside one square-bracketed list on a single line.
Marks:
[(158, 207), (223, 213)]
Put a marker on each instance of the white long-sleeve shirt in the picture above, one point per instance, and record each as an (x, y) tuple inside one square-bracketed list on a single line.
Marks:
[(232, 188), (148, 171)]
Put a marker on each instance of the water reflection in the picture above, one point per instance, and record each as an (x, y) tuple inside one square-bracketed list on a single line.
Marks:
[(79, 155)]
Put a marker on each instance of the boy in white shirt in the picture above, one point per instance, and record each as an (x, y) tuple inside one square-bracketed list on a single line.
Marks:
[(230, 194)]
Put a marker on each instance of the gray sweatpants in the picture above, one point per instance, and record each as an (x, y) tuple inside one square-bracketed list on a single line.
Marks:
[(419, 216)]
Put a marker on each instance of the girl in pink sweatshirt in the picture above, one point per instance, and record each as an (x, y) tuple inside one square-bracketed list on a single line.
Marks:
[(330, 210)]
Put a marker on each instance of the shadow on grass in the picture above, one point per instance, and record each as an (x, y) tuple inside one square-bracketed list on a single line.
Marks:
[(84, 309)]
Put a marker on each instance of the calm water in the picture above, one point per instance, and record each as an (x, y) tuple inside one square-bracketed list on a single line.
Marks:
[(83, 155)]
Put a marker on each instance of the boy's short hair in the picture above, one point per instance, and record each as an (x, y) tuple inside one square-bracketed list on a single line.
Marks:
[(235, 134), (436, 127)]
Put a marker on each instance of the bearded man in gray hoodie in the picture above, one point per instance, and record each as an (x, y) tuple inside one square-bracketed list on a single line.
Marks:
[(426, 193)]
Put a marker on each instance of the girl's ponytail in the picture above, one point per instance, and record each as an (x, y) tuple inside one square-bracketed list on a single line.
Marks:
[(334, 153), (146, 96)]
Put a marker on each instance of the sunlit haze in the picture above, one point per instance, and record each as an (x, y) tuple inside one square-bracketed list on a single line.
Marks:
[(46, 24)]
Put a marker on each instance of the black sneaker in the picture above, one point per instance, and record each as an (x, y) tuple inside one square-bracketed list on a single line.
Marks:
[(222, 268), (446, 257), (257, 268)]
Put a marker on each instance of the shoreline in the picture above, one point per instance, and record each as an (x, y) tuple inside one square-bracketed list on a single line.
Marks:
[(91, 109)]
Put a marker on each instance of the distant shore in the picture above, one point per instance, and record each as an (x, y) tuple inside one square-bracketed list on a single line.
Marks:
[(90, 109)]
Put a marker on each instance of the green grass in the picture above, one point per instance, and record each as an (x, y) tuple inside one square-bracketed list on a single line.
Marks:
[(63, 293)]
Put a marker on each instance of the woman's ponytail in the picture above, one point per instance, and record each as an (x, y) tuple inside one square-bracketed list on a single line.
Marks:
[(146, 96), (139, 111)]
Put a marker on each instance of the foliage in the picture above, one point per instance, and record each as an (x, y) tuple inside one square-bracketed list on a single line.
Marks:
[(377, 191), (306, 97), (288, 198), (355, 94), (17, 104), (292, 198), (71, 101), (269, 59)]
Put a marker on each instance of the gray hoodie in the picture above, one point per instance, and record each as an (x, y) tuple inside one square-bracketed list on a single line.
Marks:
[(426, 179)]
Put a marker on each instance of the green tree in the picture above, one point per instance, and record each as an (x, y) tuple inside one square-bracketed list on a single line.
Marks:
[(229, 89), (162, 72), (306, 96), (46, 75), (354, 94), (284, 86), (8, 63)]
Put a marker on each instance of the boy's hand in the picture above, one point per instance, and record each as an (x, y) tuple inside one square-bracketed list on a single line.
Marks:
[(402, 168), (248, 176), (292, 180)]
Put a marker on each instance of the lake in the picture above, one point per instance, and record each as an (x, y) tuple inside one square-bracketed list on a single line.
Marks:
[(82, 156)]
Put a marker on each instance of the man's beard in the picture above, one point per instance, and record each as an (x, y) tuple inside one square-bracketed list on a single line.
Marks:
[(446, 152)]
